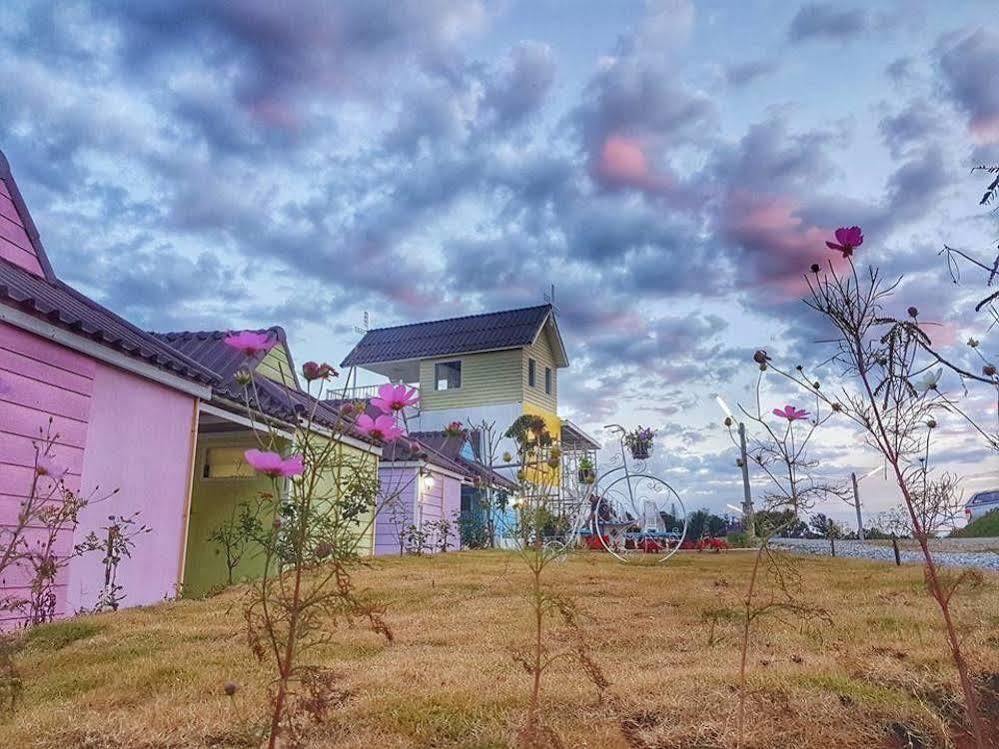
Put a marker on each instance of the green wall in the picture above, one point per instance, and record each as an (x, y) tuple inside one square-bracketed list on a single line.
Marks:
[(213, 501), (492, 377), (212, 504)]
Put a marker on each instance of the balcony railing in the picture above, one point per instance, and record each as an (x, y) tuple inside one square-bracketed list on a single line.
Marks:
[(358, 392)]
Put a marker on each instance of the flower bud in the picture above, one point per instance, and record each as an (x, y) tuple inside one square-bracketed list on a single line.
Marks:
[(815, 267), (989, 371), (913, 312), (243, 377), (760, 357), (323, 549), (932, 423), (507, 458), (230, 688), (973, 342), (837, 407), (815, 384), (728, 421)]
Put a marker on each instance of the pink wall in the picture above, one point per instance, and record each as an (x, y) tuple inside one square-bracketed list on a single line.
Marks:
[(430, 504), (116, 430), (139, 442), (46, 381), (14, 243)]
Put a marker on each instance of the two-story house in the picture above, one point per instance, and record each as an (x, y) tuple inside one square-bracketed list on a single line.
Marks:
[(490, 368)]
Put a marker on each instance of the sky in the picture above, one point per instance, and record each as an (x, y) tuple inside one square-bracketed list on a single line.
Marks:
[(671, 166)]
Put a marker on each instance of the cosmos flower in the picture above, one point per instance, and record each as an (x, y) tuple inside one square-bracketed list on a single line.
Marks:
[(791, 413), (929, 381), (273, 465), (383, 429), (250, 342), (314, 371), (392, 398), (847, 240)]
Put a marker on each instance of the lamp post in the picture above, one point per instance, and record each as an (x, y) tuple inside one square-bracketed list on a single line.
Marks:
[(856, 498), (748, 514)]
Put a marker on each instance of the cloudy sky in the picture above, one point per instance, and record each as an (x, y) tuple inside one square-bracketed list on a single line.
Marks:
[(672, 167)]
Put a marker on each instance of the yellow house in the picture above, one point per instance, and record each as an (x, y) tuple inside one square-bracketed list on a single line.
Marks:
[(488, 368), (222, 482)]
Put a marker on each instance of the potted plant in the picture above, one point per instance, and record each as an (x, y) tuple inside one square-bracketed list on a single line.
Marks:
[(587, 471), (639, 441)]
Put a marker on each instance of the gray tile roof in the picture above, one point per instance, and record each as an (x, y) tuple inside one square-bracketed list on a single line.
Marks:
[(283, 402), (63, 306), (457, 335)]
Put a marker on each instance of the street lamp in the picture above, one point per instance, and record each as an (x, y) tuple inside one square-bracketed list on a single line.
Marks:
[(747, 502), (856, 498)]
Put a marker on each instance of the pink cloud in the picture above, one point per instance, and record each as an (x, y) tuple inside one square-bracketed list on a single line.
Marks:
[(780, 246), (623, 163), (985, 129)]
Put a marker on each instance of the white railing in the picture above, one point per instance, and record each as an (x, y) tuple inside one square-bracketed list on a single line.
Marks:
[(358, 392)]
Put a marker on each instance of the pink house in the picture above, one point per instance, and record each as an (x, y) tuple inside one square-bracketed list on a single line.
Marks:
[(125, 406)]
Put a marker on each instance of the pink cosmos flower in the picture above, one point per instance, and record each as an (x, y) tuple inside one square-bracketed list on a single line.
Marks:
[(392, 398), (273, 465), (791, 413), (46, 466), (847, 240), (383, 429), (250, 342), (315, 371)]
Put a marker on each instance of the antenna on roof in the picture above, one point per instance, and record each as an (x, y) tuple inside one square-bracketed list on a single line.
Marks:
[(363, 328), (550, 298)]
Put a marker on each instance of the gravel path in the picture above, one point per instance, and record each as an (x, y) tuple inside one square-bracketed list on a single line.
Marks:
[(970, 552)]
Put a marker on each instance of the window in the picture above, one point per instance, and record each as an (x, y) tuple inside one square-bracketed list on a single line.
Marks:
[(447, 375), (530, 372), (548, 380), (226, 463)]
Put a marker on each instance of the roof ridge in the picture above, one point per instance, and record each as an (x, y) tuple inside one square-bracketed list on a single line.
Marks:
[(461, 317), (171, 334)]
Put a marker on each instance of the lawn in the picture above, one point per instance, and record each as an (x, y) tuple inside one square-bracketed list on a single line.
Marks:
[(666, 637)]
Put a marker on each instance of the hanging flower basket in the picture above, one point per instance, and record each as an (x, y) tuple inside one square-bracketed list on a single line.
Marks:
[(639, 442), (587, 472)]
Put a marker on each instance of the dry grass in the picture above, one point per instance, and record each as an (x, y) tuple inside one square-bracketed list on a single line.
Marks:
[(877, 677)]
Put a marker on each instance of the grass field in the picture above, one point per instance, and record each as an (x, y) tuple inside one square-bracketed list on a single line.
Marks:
[(666, 637)]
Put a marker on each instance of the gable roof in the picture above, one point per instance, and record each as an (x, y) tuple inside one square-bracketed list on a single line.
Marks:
[(208, 348), (31, 290), (283, 402), (19, 240), (451, 448), (491, 331)]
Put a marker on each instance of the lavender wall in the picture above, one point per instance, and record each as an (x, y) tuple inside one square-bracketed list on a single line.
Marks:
[(395, 507), (139, 441), (408, 501)]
